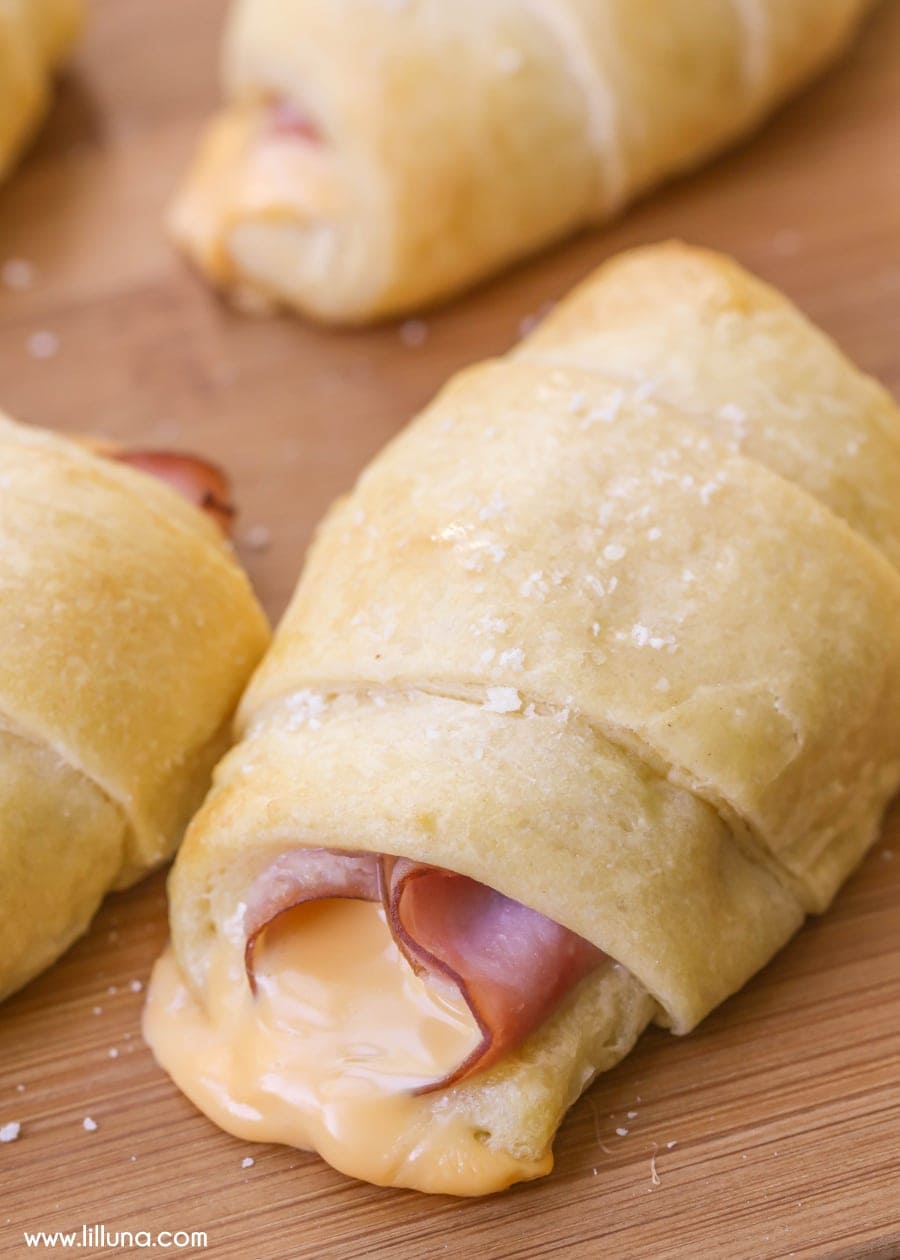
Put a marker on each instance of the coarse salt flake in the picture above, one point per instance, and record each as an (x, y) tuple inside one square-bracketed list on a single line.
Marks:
[(613, 551), (304, 708), (496, 507), (248, 1161), (607, 412), (89, 1125), (502, 700), (534, 584), (10, 1131), (491, 625), (707, 490)]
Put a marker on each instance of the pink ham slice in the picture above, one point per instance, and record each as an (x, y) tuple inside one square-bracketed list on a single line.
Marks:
[(197, 480), (289, 120), (511, 964)]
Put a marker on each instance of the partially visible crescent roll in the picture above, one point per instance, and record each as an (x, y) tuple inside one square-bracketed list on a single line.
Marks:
[(127, 632), (376, 157), (612, 629), (35, 36)]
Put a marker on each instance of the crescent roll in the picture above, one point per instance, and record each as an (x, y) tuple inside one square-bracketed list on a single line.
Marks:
[(35, 36), (374, 157), (589, 693), (128, 632)]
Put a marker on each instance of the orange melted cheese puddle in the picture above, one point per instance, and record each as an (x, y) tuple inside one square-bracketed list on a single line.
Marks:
[(326, 1055)]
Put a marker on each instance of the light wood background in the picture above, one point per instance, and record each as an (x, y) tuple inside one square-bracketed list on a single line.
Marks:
[(784, 1106)]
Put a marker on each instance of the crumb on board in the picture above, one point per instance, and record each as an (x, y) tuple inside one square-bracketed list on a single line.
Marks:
[(43, 344), (413, 333), (787, 241), (528, 323), (654, 1175), (89, 1125), (10, 1131), (17, 274), (670, 1146), (257, 538)]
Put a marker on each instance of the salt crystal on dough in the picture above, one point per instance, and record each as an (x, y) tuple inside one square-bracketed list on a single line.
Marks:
[(502, 700)]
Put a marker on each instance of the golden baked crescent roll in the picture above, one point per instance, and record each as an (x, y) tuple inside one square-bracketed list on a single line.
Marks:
[(128, 631), (590, 691), (374, 157), (35, 36)]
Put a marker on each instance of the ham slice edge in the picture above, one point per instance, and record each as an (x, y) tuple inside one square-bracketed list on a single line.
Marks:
[(195, 479), (511, 964)]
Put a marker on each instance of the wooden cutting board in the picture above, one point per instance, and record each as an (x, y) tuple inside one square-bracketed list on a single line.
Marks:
[(774, 1130)]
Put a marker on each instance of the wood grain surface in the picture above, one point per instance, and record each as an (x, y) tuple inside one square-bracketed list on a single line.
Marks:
[(774, 1129)]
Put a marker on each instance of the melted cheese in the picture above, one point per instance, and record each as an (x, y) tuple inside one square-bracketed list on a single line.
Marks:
[(247, 174), (326, 1055)]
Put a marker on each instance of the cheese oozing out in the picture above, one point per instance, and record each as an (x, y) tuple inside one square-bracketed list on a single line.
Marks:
[(261, 194), (329, 1053)]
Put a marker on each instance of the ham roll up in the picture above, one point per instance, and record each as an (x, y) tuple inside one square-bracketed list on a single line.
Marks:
[(589, 693), (35, 36), (128, 632), (374, 157)]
